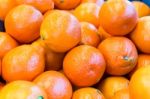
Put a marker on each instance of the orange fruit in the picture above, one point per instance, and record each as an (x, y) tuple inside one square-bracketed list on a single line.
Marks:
[(141, 35), (141, 8), (89, 34), (84, 65), (42, 5), (22, 63), (87, 93), (88, 12), (140, 84), (22, 90), (6, 43), (110, 85), (98, 2), (103, 34), (143, 60), (23, 23), (66, 4), (122, 94), (56, 85), (118, 17), (53, 60), (5, 7), (61, 31), (120, 54)]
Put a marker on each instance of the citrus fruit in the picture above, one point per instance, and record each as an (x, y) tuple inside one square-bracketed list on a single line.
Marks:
[(6, 44), (98, 2), (120, 55), (53, 60), (22, 90), (23, 23), (56, 85), (141, 35), (42, 5), (118, 17), (139, 84), (110, 85), (88, 12), (61, 31), (84, 65), (87, 93), (143, 60), (121, 94), (5, 7), (141, 8), (66, 4), (22, 63), (89, 34)]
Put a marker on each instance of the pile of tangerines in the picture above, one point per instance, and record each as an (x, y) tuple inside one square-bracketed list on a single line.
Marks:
[(74, 49)]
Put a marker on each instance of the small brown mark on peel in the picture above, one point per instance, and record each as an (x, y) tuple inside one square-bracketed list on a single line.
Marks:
[(61, 1)]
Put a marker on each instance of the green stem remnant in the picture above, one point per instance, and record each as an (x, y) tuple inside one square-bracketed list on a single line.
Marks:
[(127, 58), (40, 97)]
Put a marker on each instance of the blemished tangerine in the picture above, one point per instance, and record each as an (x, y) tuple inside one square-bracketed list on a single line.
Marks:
[(120, 54), (86, 61)]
